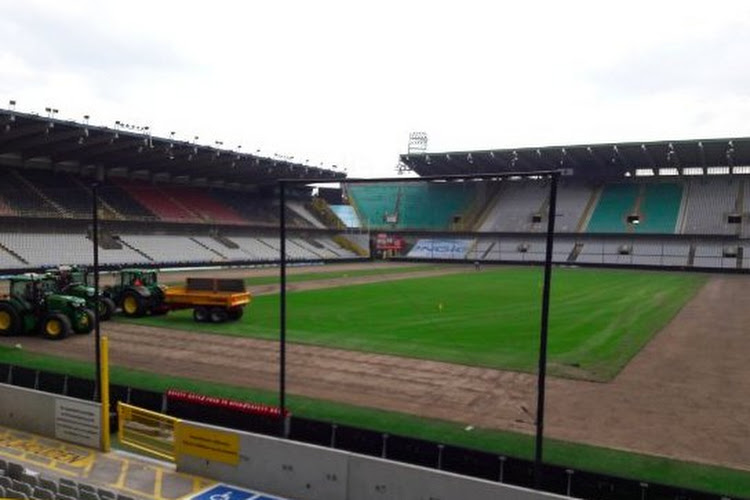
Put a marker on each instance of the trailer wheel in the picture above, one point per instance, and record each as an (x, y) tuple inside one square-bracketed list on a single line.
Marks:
[(55, 326), (10, 321), (200, 314), (83, 322), (235, 313), (218, 315), (107, 308), (132, 305)]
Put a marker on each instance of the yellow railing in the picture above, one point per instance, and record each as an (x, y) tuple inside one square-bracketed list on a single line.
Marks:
[(147, 431)]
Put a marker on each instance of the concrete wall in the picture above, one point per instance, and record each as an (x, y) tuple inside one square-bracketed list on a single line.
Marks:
[(50, 415), (308, 472)]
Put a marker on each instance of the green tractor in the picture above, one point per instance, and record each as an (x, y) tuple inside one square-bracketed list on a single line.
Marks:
[(138, 293), (34, 306), (74, 280)]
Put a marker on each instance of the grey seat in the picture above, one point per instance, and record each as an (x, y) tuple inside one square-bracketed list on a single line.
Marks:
[(18, 495), (30, 479), (67, 490), (42, 494), (6, 482), (47, 484), (86, 487), (15, 470), (3, 464), (124, 497), (106, 494), (87, 495), (60, 496), (25, 488), (68, 482)]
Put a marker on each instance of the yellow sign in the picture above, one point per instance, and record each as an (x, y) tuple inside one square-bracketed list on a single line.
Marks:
[(208, 443)]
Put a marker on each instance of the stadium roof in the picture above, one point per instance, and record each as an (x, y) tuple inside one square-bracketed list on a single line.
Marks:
[(30, 140), (595, 160)]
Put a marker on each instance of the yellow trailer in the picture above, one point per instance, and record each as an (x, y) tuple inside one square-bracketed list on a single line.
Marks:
[(212, 300)]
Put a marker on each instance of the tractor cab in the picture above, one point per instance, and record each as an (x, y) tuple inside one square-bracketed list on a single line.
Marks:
[(138, 277)]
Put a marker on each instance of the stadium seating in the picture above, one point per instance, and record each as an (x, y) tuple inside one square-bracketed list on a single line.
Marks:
[(162, 205), (616, 202), (346, 214), (124, 205), (515, 205), (204, 205), (170, 249), (572, 199), (709, 202), (413, 206), (250, 206), (659, 208), (43, 250), (60, 189), (18, 482), (23, 198)]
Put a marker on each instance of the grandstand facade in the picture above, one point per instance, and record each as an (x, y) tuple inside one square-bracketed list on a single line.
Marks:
[(161, 201), (664, 204)]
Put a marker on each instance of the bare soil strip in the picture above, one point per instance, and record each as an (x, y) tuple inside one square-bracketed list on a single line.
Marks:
[(683, 396)]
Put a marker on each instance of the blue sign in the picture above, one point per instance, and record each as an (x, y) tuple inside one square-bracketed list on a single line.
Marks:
[(224, 492)]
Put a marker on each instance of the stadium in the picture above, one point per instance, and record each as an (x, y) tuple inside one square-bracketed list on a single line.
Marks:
[(410, 308)]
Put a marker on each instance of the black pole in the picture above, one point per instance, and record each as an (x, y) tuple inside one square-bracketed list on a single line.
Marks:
[(542, 374), (282, 307), (95, 242)]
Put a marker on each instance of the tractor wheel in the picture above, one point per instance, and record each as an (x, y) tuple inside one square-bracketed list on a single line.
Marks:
[(200, 314), (83, 321), (235, 313), (106, 308), (55, 326), (218, 315), (132, 305), (10, 321)]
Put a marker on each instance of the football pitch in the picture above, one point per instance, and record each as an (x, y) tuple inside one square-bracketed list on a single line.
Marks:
[(599, 319)]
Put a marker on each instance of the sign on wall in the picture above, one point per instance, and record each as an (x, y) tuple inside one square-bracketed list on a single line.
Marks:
[(78, 422), (209, 444)]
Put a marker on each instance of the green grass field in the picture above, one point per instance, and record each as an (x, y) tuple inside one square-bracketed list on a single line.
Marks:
[(643, 467), (599, 318)]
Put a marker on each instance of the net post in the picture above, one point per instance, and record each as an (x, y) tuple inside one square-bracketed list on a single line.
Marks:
[(542, 371)]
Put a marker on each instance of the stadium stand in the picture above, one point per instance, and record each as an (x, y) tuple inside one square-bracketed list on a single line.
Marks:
[(203, 205), (616, 202), (169, 249), (572, 200), (18, 482), (23, 199), (158, 202), (63, 191), (122, 205), (710, 200), (413, 206), (659, 208), (515, 205), (255, 209), (345, 213), (299, 208)]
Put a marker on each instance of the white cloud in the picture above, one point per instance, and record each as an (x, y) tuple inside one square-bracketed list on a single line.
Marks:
[(344, 82)]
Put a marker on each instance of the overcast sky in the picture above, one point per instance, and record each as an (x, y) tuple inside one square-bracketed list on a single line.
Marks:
[(345, 82)]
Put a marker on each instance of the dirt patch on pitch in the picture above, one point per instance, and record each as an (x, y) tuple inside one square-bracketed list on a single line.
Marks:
[(682, 396)]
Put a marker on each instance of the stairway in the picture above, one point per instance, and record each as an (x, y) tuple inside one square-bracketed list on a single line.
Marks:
[(577, 248), (215, 252), (135, 249), (32, 187), (13, 254)]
